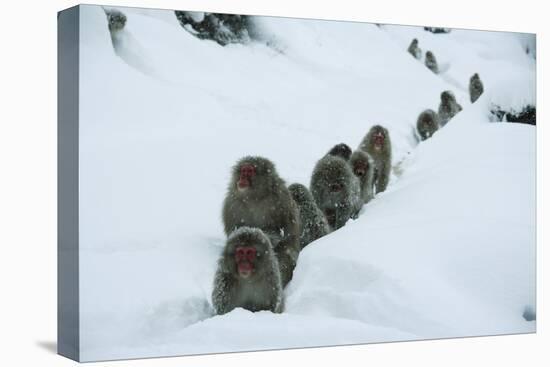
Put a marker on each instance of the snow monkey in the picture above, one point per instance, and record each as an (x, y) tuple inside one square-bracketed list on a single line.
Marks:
[(248, 274), (427, 124), (363, 167), (377, 144), (476, 87), (313, 221), (448, 107), (336, 190), (257, 197), (414, 49), (116, 20), (341, 150), (431, 62)]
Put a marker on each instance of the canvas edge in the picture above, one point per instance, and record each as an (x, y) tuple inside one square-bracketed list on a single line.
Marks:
[(68, 316)]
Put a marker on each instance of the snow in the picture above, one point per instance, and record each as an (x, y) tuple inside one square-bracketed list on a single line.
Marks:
[(448, 250)]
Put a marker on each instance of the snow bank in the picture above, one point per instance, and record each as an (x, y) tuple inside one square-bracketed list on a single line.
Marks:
[(447, 250)]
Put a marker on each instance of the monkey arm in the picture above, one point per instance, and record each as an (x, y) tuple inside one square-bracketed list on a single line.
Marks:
[(222, 294)]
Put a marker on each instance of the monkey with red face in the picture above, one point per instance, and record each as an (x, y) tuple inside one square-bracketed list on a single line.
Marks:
[(377, 144), (257, 197), (248, 274), (363, 167)]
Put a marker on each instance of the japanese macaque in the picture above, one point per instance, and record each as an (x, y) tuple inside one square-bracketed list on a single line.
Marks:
[(257, 197), (427, 124), (431, 62), (336, 190), (377, 144), (314, 225), (448, 107), (476, 87), (363, 167), (414, 49), (248, 274)]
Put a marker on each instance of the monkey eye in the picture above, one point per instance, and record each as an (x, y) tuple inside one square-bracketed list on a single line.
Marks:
[(251, 254), (240, 254), (248, 170), (245, 253)]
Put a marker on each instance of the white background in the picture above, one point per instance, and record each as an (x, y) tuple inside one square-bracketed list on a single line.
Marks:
[(28, 182)]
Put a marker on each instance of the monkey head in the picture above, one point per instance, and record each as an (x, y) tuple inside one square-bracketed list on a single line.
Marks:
[(378, 137), (253, 176), (448, 97), (360, 163), (299, 193), (341, 150), (474, 77), (430, 56), (336, 176), (246, 251), (415, 42)]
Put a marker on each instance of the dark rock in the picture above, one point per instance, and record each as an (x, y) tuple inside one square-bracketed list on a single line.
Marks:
[(221, 28), (437, 29), (528, 115)]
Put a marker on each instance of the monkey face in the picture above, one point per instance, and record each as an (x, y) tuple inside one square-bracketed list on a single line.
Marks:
[(360, 168), (245, 258), (378, 139), (253, 176), (246, 174)]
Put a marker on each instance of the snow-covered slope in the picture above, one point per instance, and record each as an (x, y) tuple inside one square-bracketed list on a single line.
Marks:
[(448, 250)]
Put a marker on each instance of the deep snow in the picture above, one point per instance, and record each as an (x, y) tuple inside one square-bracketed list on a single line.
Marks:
[(448, 250)]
